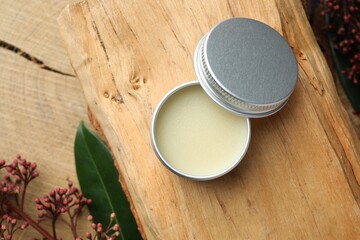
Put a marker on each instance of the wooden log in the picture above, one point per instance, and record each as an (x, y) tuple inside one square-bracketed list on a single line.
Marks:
[(300, 177), (41, 103)]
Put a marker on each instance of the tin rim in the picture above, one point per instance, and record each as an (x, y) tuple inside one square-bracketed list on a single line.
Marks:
[(220, 100), (174, 170)]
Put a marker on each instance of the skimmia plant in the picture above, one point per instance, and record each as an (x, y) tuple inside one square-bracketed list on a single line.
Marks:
[(343, 25), (99, 180), (61, 203), (344, 22)]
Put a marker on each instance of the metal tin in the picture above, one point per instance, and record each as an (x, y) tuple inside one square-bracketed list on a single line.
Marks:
[(166, 163), (246, 67)]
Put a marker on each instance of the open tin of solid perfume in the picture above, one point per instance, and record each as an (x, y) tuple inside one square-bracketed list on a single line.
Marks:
[(246, 70)]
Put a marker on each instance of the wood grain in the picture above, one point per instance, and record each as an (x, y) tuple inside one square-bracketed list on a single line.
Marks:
[(41, 102), (300, 177)]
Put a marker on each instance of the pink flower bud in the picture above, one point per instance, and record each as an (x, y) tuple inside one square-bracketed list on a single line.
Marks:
[(116, 227), (24, 171), (35, 174), (13, 221), (3, 227), (24, 225), (88, 201), (37, 200), (40, 214), (93, 225), (52, 193), (73, 190), (2, 163), (99, 229), (88, 235), (90, 218), (33, 166), (112, 216)]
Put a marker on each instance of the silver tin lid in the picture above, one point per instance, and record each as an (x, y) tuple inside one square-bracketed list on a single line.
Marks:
[(246, 67)]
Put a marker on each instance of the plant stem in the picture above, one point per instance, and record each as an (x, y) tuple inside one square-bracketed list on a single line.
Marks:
[(72, 224), (23, 196), (53, 227), (29, 220)]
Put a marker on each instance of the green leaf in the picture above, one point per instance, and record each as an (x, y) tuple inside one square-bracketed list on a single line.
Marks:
[(99, 181)]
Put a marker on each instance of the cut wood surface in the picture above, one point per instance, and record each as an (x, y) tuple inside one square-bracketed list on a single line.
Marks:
[(300, 177), (41, 101)]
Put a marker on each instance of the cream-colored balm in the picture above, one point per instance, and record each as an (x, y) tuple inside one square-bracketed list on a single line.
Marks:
[(196, 136)]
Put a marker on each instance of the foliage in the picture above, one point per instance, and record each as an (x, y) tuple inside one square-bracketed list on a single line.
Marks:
[(342, 17), (99, 180), (60, 204)]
